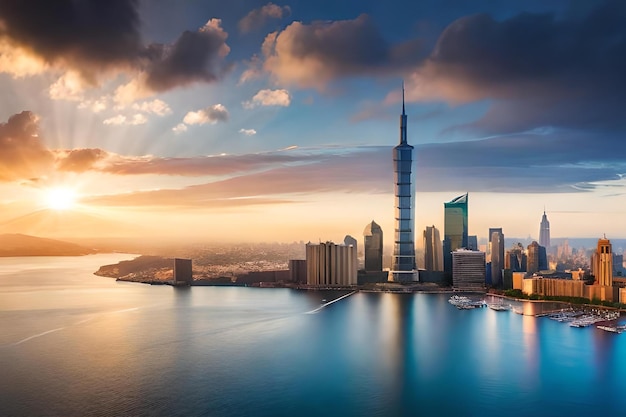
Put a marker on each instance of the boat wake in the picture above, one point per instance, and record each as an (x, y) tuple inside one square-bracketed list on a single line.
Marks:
[(36, 336), (330, 302)]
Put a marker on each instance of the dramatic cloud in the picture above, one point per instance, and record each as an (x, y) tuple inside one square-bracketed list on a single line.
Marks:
[(541, 70), (313, 55), (195, 56), (210, 115), (22, 155), (257, 17), (91, 39), (269, 98), (87, 36)]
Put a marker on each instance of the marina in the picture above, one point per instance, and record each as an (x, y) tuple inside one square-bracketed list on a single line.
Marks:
[(576, 317)]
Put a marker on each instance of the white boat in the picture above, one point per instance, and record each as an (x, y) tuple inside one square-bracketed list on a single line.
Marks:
[(499, 306), (612, 329)]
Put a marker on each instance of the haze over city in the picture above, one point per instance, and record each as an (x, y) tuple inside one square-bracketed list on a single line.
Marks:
[(255, 121)]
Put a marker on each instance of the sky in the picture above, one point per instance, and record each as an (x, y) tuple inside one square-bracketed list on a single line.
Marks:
[(260, 121)]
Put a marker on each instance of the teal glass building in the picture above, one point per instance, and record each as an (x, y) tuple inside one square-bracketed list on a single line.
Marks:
[(455, 229)]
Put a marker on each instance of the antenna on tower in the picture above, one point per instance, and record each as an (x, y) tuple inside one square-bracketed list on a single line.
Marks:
[(403, 97)]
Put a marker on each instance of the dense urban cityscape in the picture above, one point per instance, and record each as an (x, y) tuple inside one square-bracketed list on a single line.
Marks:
[(312, 208), (458, 262)]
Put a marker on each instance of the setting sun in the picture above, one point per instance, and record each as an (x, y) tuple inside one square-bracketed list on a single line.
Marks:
[(60, 198)]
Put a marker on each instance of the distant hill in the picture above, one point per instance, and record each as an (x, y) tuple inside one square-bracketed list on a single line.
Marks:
[(62, 224), (24, 245)]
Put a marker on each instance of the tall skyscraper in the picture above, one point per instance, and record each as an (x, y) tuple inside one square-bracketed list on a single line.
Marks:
[(433, 251), (403, 264), (373, 235), (455, 229), (603, 263), (544, 232), (496, 244)]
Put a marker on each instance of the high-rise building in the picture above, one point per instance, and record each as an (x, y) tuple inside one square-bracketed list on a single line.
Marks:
[(183, 271), (532, 260), (349, 240), (373, 235), (455, 229), (433, 251), (544, 231), (496, 245), (403, 268), (468, 269), (603, 263), (329, 264), (543, 258)]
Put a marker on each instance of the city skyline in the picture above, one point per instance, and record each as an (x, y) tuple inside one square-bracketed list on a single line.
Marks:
[(249, 121)]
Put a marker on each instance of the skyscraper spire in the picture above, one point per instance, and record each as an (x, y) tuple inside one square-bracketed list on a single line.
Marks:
[(403, 98), (403, 121)]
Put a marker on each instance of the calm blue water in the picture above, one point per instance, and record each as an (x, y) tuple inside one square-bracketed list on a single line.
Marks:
[(75, 344)]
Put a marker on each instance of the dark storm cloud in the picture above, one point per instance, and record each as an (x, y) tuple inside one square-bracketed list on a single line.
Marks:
[(539, 69), (81, 33), (22, 155), (93, 36), (195, 56), (311, 55)]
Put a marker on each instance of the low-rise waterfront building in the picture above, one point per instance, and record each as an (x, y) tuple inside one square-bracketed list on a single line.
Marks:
[(468, 269), (553, 287)]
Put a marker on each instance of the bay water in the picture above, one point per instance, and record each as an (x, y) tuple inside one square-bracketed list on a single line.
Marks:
[(74, 344)]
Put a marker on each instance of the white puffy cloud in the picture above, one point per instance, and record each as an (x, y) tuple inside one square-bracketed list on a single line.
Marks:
[(248, 132), (120, 119), (69, 86), (156, 106), (179, 128), (210, 115), (95, 106), (268, 97), (115, 120)]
